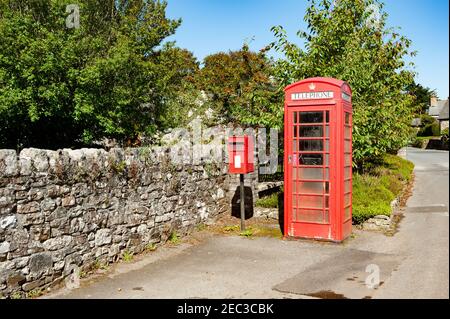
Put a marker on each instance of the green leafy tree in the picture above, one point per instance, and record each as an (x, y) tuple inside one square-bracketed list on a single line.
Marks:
[(422, 96), (345, 41), (241, 88), (61, 86)]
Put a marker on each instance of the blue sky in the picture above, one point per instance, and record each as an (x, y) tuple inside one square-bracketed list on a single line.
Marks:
[(211, 26)]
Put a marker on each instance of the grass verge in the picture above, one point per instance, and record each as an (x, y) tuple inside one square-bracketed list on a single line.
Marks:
[(374, 190)]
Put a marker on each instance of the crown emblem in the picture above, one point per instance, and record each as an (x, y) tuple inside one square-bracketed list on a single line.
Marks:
[(312, 86)]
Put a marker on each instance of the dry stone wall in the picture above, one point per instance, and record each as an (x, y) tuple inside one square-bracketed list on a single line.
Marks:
[(66, 210)]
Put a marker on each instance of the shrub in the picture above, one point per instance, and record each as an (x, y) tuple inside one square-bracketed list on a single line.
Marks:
[(430, 130), (270, 201), (374, 190)]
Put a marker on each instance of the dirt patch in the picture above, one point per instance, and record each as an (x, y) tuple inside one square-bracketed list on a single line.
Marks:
[(327, 294), (398, 214), (256, 226)]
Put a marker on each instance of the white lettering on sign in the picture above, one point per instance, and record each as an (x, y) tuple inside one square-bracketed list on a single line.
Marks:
[(312, 95), (237, 161), (346, 97)]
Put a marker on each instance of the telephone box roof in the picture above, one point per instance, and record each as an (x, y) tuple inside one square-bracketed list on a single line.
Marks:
[(335, 82)]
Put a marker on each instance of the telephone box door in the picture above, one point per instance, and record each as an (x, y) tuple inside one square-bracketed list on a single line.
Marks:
[(310, 177)]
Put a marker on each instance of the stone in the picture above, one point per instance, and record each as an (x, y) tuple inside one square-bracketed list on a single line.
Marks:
[(4, 247), (103, 237), (48, 204), (40, 263), (57, 243), (32, 285), (8, 221), (68, 201), (15, 279), (8, 162), (27, 208)]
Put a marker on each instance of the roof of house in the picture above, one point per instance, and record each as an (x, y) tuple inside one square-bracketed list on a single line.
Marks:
[(441, 106), (443, 114)]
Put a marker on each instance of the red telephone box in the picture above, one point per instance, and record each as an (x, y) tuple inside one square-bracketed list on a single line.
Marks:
[(318, 159), (240, 150)]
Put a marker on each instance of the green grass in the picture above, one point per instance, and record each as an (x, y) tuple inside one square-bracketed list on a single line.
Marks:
[(270, 201), (174, 239), (127, 256), (247, 232), (374, 191)]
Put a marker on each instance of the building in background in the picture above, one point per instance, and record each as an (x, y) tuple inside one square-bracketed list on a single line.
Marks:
[(439, 110)]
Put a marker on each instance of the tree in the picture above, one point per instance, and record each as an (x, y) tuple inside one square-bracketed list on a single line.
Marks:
[(422, 96), (241, 88), (61, 86), (344, 41)]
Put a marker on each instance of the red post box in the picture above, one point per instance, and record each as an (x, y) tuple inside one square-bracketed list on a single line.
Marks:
[(240, 150), (318, 159)]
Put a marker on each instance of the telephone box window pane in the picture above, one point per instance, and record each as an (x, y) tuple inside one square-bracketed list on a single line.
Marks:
[(327, 202), (294, 201), (348, 173), (348, 132), (347, 146), (310, 201), (311, 131), (327, 131), (327, 145), (327, 159), (310, 173), (294, 146), (327, 116), (347, 200), (327, 187), (307, 215), (295, 117), (326, 217), (348, 185), (348, 159), (347, 118), (311, 159), (327, 173), (294, 187), (311, 187), (347, 213), (294, 215), (311, 145), (311, 117)]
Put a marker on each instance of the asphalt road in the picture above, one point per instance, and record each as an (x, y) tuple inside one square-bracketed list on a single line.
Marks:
[(412, 264)]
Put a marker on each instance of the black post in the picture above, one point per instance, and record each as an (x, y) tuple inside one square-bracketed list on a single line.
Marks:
[(241, 178)]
